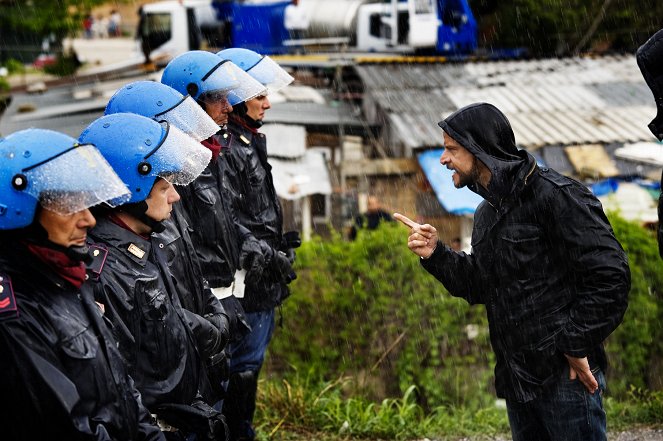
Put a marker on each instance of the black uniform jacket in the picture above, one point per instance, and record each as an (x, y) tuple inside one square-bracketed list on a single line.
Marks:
[(544, 261), (62, 376), (204, 311), (148, 321), (214, 231), (247, 176)]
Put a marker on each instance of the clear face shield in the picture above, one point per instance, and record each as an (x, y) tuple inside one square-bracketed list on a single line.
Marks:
[(243, 87), (190, 118), (269, 73), (74, 180), (179, 158)]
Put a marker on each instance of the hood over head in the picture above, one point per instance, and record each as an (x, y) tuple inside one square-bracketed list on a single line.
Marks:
[(650, 61), (485, 132)]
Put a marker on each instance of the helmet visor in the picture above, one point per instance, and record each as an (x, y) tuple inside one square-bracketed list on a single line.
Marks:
[(245, 87), (179, 159), (75, 180), (269, 73), (190, 118)]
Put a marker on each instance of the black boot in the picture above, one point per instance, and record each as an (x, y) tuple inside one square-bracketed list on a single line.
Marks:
[(240, 405)]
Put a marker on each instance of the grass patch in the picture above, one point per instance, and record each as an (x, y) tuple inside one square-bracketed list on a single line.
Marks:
[(302, 408)]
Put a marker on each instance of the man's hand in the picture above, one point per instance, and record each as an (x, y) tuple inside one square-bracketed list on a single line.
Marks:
[(423, 238), (579, 368)]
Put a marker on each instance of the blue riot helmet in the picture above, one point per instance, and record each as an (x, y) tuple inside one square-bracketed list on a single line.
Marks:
[(55, 171), (140, 150), (160, 102), (200, 73), (262, 68)]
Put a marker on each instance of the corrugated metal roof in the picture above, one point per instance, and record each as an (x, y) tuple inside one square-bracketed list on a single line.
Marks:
[(549, 102)]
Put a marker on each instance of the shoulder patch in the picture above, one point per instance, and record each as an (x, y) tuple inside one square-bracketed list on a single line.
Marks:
[(225, 140), (244, 140), (552, 176), (8, 307), (96, 266)]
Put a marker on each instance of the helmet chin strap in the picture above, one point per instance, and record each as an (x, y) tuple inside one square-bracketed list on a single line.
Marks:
[(139, 211), (241, 110)]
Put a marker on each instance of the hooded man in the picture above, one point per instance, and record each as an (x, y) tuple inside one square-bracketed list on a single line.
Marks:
[(549, 269), (650, 61)]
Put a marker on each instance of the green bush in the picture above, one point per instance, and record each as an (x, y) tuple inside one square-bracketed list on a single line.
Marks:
[(14, 66), (368, 310)]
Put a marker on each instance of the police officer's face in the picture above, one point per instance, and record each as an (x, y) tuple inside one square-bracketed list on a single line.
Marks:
[(256, 107), (66, 230), (217, 107), (461, 161), (160, 200)]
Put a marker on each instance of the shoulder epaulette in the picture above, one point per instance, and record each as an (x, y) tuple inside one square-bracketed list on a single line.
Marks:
[(8, 307), (225, 140), (244, 140), (98, 254), (554, 177)]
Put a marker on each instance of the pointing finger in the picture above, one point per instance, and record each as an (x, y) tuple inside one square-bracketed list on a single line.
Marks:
[(406, 221)]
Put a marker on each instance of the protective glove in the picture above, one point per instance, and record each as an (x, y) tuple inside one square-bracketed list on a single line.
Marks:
[(252, 258), (221, 321), (284, 267)]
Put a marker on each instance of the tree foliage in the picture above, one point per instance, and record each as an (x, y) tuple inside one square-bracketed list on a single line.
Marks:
[(558, 27), (45, 17)]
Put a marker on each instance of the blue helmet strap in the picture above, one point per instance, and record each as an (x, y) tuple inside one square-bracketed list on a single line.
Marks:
[(254, 65), (172, 107)]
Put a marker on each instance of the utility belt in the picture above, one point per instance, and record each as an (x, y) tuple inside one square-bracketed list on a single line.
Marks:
[(236, 288)]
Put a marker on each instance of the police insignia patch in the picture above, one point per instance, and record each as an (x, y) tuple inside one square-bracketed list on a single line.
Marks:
[(133, 249), (8, 306)]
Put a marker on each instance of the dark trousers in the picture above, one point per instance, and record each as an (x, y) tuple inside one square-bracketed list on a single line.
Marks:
[(566, 412), (246, 358)]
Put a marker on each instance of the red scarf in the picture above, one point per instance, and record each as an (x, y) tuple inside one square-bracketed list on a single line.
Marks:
[(212, 144), (70, 270)]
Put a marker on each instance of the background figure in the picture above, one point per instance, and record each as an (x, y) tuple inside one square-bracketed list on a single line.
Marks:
[(650, 61), (552, 292), (114, 22), (100, 27), (372, 218), (88, 23)]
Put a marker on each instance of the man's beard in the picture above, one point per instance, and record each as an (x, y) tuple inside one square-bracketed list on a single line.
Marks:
[(465, 179)]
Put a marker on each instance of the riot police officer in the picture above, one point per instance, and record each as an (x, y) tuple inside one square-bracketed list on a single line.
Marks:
[(135, 286), (248, 177), (62, 376)]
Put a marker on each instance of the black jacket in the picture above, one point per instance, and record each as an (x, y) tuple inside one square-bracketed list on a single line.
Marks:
[(62, 376), (248, 178), (544, 261), (149, 324), (660, 220), (214, 231), (208, 319)]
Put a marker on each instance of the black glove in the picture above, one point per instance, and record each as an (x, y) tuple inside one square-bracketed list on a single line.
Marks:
[(222, 323), (252, 258), (218, 371), (284, 267)]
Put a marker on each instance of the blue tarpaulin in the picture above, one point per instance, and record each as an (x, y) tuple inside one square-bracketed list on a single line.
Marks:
[(454, 200)]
